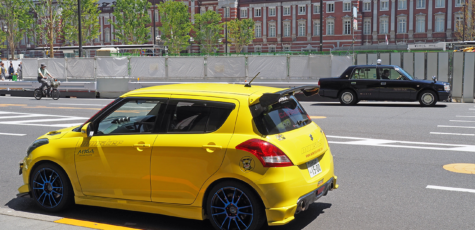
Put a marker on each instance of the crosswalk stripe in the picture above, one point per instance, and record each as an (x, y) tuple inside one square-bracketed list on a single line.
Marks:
[(24, 116), (30, 119), (44, 120)]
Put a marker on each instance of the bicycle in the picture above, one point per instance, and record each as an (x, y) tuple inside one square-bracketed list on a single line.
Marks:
[(54, 92)]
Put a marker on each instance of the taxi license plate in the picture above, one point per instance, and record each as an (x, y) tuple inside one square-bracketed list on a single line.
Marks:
[(314, 167)]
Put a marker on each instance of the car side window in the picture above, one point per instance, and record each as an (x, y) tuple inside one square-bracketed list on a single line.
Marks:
[(391, 74), (132, 117), (196, 116), (364, 74)]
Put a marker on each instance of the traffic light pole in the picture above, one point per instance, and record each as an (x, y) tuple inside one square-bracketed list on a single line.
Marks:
[(79, 29)]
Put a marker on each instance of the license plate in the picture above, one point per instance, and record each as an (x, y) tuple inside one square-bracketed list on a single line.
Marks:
[(314, 167)]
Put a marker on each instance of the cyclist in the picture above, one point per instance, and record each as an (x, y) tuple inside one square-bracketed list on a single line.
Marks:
[(42, 78)]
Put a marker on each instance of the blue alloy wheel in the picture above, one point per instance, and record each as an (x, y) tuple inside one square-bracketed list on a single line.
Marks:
[(48, 188), (231, 208)]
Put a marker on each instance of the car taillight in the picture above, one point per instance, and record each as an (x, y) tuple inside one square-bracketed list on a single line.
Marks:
[(267, 153), (318, 83)]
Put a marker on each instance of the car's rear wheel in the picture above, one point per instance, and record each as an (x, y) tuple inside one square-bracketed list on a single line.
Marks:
[(51, 188), (233, 206), (348, 97), (427, 98)]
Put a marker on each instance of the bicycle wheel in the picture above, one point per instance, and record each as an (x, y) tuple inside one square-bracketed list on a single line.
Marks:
[(55, 94), (37, 94)]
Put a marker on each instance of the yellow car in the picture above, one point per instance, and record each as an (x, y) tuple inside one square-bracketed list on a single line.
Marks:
[(240, 156)]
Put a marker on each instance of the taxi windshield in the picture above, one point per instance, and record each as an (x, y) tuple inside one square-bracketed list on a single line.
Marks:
[(405, 73)]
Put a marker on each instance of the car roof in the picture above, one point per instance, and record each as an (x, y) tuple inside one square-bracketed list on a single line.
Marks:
[(223, 89)]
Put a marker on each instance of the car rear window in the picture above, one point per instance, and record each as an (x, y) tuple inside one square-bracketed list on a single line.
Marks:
[(284, 116)]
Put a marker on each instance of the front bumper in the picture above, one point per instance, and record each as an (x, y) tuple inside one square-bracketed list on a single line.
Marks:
[(443, 95)]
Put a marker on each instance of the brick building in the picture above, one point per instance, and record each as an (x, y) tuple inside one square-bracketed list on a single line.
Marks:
[(294, 25)]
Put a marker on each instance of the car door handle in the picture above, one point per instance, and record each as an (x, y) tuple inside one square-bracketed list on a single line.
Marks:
[(383, 83), (212, 147), (142, 145)]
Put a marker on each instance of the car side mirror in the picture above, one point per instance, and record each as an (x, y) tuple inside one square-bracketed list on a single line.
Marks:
[(87, 131)]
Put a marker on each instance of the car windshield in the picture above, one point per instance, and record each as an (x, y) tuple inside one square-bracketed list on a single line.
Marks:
[(405, 73)]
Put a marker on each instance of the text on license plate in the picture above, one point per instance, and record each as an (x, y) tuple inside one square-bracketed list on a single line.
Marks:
[(314, 167)]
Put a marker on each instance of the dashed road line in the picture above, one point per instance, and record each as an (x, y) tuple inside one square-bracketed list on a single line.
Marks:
[(12, 134), (455, 134), (451, 126), (450, 188), (464, 116), (460, 121), (102, 105), (14, 118)]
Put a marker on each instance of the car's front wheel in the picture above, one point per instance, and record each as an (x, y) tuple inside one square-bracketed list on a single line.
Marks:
[(232, 205), (348, 97), (51, 188), (427, 98)]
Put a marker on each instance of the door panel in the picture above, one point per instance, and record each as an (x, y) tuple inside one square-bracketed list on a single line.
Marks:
[(395, 86), (186, 155), (365, 82)]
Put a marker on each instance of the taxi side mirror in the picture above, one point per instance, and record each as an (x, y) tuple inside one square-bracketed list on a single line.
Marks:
[(87, 130)]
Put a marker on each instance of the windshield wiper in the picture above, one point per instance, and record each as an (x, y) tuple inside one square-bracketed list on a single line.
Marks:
[(302, 121)]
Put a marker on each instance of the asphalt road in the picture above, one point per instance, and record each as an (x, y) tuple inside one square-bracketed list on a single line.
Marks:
[(386, 155)]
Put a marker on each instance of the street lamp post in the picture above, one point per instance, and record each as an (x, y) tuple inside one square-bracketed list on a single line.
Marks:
[(190, 41), (79, 28), (8, 49), (463, 32), (225, 30)]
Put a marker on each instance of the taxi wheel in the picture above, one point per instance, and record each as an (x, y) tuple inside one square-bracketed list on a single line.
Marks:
[(427, 98), (232, 205), (51, 188), (348, 97)]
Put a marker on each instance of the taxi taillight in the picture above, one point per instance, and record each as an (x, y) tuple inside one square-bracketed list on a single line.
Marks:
[(267, 153)]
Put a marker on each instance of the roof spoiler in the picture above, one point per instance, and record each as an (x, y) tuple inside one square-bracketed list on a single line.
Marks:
[(271, 98)]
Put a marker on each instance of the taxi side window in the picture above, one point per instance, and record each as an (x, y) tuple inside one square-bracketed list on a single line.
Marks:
[(391, 74), (364, 73), (195, 116), (132, 117)]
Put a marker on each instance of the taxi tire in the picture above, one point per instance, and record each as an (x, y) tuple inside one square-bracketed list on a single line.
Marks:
[(67, 190), (259, 216), (425, 93), (353, 95)]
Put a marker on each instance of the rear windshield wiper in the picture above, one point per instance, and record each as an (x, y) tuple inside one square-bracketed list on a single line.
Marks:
[(302, 121)]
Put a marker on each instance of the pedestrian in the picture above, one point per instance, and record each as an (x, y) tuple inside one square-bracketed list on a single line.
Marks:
[(2, 71), (11, 71), (20, 74)]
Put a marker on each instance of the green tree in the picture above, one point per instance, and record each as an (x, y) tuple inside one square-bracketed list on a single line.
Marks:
[(18, 20), (176, 25), (241, 33), (49, 16), (89, 21), (131, 19), (207, 30), (467, 23)]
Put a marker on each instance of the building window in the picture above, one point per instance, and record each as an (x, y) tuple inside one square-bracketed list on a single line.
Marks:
[(402, 5), (107, 35), (346, 26), (316, 9), (301, 10), (459, 3), (384, 5), (272, 30), (156, 31), (202, 10), (316, 28), (286, 29), (258, 31), (272, 11), (286, 10), (330, 7), (106, 21), (271, 49), (301, 29), (459, 22), (346, 6), (226, 12), (420, 24), (330, 28), (257, 12), (287, 48), (367, 27), (366, 6), (243, 13), (401, 25), (257, 49), (421, 4), (439, 23), (210, 8), (156, 15), (439, 3), (383, 26)]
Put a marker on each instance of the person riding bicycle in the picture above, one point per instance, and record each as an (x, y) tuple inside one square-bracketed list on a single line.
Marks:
[(42, 78)]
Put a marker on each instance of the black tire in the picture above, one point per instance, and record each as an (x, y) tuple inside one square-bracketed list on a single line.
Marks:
[(246, 212), (37, 94), (55, 94), (348, 97), (51, 188), (427, 98)]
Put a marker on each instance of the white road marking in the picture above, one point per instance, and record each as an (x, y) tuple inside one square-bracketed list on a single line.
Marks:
[(450, 126), (401, 144), (460, 121), (455, 134), (464, 116), (44, 120), (12, 134), (77, 104), (451, 188), (29, 119), (24, 116)]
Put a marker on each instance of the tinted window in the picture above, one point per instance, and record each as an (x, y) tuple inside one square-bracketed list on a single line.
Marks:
[(364, 73), (391, 74), (133, 116), (197, 116), (284, 116)]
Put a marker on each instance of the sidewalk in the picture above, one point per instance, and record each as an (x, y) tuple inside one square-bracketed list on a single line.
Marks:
[(14, 220)]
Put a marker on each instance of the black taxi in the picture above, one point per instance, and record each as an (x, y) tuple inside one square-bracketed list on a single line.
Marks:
[(382, 83)]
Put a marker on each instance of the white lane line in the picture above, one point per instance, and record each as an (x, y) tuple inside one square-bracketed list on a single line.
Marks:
[(23, 116), (401, 144), (77, 104), (451, 126), (464, 116), (471, 109), (44, 120), (451, 188), (455, 134), (55, 125), (460, 121), (12, 134)]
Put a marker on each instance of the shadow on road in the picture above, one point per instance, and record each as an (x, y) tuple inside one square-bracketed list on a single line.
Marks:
[(378, 105), (141, 220)]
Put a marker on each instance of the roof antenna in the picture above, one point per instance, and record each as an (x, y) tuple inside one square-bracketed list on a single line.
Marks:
[(249, 84)]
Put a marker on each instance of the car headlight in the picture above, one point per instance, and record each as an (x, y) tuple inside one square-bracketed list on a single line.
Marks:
[(36, 144), (447, 88)]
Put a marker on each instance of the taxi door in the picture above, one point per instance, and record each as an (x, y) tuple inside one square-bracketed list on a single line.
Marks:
[(115, 161), (365, 82), (395, 86), (196, 133)]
